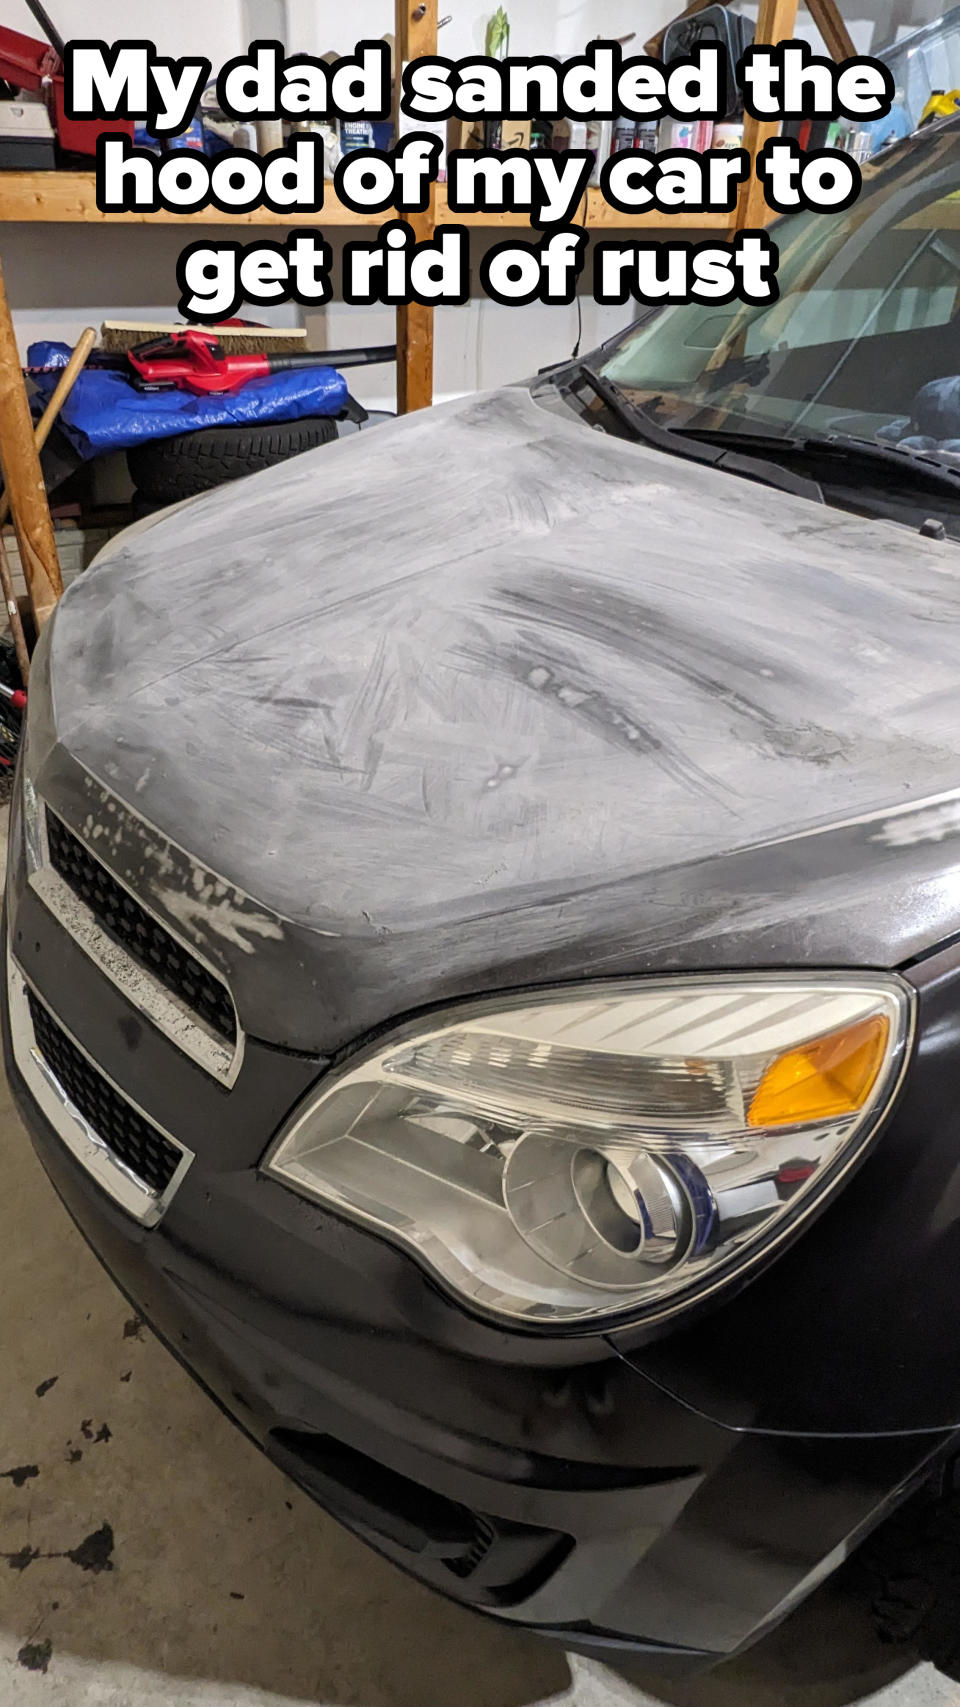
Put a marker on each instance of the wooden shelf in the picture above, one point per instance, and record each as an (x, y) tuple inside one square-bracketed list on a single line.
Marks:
[(602, 217), (598, 215), (68, 198), (62, 198)]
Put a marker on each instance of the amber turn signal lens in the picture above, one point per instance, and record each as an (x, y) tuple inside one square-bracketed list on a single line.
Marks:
[(823, 1080)]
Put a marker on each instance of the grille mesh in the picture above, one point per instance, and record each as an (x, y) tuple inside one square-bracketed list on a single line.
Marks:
[(484, 1537), (141, 935), (128, 1137)]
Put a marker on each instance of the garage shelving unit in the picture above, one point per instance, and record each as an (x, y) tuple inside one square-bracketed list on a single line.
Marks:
[(68, 197)]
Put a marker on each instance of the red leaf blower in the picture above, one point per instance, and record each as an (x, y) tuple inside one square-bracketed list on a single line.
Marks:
[(195, 360)]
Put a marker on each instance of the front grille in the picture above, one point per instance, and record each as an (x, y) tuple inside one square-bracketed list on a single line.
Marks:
[(127, 1135), (139, 933), (483, 1538)]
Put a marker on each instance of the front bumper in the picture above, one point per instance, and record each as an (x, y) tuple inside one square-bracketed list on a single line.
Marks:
[(545, 1481)]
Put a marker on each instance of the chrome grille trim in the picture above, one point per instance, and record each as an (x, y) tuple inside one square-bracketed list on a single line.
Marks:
[(72, 1128), (161, 1006)]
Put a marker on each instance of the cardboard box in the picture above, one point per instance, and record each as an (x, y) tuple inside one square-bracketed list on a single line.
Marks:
[(464, 133), (469, 133), (515, 133)]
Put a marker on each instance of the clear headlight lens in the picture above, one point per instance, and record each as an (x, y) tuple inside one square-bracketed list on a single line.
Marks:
[(610, 1150)]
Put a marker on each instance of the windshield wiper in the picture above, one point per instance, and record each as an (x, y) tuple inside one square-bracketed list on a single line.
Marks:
[(851, 447), (917, 468), (638, 424), (641, 427)]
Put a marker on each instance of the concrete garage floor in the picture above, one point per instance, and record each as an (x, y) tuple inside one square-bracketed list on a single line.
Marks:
[(150, 1556)]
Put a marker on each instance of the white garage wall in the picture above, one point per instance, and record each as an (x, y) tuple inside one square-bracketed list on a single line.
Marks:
[(212, 27), (216, 27), (536, 26)]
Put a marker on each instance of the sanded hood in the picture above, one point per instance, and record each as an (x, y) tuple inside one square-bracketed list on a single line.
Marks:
[(496, 697)]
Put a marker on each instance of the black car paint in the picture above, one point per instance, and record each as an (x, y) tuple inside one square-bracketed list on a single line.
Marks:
[(703, 1497), (690, 1536), (853, 1330), (689, 1487)]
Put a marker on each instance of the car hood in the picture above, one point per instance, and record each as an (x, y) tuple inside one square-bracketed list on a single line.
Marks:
[(487, 698)]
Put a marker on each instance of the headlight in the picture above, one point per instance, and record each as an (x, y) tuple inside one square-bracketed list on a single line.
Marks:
[(609, 1151)]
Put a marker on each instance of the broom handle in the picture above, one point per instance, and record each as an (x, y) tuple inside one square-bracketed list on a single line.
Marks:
[(64, 386), (302, 360), (41, 433), (16, 620), (47, 25)]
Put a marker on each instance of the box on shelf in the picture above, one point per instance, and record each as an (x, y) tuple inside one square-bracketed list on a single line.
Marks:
[(515, 133), (27, 141), (464, 133)]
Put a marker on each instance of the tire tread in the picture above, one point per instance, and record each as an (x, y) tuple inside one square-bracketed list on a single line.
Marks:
[(167, 470)]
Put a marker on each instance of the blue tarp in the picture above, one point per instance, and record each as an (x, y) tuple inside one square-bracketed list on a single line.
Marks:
[(106, 412)]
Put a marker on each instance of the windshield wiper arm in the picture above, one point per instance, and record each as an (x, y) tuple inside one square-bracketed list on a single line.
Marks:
[(645, 430), (920, 467), (639, 425), (869, 450)]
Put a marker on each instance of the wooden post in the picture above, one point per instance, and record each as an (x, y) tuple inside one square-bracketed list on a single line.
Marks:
[(776, 22), (416, 35), (826, 16), (23, 478)]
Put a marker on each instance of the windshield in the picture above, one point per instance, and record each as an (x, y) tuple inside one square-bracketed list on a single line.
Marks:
[(864, 340)]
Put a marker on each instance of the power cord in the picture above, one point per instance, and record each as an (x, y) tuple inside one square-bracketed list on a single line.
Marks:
[(579, 300)]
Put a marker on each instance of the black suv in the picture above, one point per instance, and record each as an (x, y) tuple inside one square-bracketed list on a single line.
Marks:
[(483, 954)]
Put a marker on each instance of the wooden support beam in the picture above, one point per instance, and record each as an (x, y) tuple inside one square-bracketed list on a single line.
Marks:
[(776, 22), (23, 479), (416, 36), (826, 16)]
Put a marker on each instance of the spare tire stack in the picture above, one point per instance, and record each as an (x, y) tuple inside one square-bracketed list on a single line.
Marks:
[(164, 471)]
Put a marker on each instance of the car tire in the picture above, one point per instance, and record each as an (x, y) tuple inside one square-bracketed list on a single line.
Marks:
[(142, 507), (166, 470), (912, 1568)]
